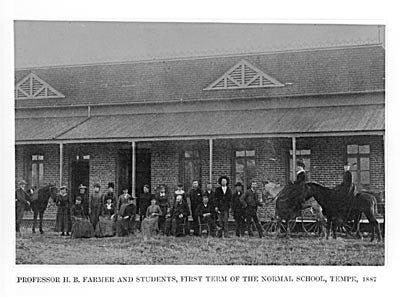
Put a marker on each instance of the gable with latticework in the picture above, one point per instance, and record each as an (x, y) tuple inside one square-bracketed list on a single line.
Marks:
[(33, 87), (243, 76)]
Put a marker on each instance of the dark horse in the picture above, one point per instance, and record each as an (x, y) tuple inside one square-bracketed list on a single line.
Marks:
[(39, 200), (339, 210)]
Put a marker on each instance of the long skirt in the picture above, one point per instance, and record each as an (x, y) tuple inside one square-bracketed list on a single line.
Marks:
[(81, 228), (105, 227), (94, 216), (125, 226), (63, 219), (149, 227)]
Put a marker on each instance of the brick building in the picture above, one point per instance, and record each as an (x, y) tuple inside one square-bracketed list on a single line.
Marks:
[(170, 121)]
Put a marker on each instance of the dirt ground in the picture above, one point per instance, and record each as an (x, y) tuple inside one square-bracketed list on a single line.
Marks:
[(300, 249)]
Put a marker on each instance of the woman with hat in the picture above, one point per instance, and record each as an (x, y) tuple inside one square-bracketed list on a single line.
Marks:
[(21, 203), (223, 197), (63, 219), (85, 198), (95, 205), (110, 194), (81, 227)]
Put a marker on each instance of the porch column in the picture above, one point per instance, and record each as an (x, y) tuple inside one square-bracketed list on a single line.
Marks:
[(294, 158), (61, 163), (210, 143), (133, 168)]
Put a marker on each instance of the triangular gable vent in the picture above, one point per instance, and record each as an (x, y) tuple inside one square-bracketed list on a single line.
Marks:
[(243, 76), (33, 87)]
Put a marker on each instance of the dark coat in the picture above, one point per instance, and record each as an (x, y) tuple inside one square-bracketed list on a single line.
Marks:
[(108, 211), (250, 198), (129, 210), (144, 202), (236, 205), (63, 219), (21, 199), (300, 177), (109, 195), (196, 198), (163, 202), (77, 210), (211, 198), (203, 209), (223, 200), (180, 208)]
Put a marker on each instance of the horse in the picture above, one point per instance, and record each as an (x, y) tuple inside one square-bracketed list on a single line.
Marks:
[(343, 209), (38, 201), (275, 190)]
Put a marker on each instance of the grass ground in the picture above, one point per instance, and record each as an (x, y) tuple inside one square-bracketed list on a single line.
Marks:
[(300, 249)]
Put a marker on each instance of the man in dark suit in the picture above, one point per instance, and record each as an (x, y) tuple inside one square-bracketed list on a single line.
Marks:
[(250, 201), (223, 197), (195, 200), (238, 210), (205, 213), (21, 204), (180, 213)]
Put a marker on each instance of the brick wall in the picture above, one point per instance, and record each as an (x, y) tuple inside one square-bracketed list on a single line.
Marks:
[(328, 154)]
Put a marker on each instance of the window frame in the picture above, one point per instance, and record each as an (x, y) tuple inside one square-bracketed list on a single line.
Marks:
[(356, 170), (246, 180), (37, 179)]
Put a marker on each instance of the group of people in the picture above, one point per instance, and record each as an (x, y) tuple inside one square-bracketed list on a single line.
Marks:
[(166, 213)]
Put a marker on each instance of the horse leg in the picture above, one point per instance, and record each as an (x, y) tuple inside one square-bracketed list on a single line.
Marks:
[(328, 226), (35, 213), (41, 222), (334, 227), (278, 227), (374, 224), (357, 223)]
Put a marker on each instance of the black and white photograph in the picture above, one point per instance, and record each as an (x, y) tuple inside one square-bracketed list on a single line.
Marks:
[(184, 143)]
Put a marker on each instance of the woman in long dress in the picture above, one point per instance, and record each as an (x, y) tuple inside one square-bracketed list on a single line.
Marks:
[(63, 219), (81, 226), (105, 227), (150, 223)]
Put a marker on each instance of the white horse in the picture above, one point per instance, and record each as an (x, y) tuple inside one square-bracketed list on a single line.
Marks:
[(273, 189)]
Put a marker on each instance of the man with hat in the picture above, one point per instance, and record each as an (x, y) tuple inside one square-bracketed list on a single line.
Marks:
[(223, 197), (84, 198), (21, 203), (300, 172), (238, 210), (250, 200), (346, 188)]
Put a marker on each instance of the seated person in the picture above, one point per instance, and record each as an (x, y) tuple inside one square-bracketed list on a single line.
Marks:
[(105, 227), (81, 226), (150, 223), (180, 213), (205, 212), (126, 218)]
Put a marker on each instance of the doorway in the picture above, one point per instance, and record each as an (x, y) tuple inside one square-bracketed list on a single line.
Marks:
[(143, 170), (79, 175)]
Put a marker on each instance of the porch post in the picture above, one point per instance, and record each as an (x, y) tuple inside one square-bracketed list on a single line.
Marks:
[(61, 163), (210, 143), (294, 158), (133, 168)]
